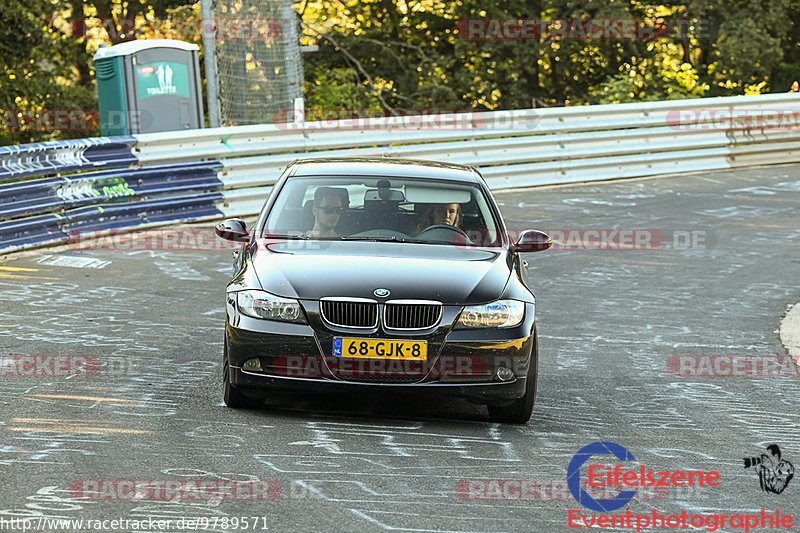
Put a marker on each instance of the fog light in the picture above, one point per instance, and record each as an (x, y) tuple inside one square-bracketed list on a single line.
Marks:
[(505, 374), (253, 365)]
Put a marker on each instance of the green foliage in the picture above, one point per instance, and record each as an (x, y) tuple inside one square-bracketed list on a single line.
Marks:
[(47, 88), (338, 88), (385, 54), (410, 55), (650, 83), (37, 76)]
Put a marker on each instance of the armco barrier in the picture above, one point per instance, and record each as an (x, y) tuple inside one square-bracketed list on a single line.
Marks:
[(58, 194), (49, 229), (157, 178), (42, 159), (31, 231), (147, 213)]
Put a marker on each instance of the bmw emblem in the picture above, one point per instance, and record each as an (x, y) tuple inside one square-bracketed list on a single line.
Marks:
[(381, 293)]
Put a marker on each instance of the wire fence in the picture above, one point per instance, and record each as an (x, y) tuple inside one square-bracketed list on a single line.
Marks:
[(259, 67)]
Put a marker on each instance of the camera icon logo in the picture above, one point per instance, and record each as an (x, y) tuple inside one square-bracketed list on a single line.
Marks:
[(774, 473)]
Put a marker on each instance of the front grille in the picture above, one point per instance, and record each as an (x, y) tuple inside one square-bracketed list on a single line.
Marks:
[(350, 313), (412, 314)]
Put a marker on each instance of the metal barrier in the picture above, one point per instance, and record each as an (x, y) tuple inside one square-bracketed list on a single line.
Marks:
[(156, 178), (41, 159)]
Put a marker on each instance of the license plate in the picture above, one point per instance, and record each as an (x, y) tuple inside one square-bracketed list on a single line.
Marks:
[(380, 348)]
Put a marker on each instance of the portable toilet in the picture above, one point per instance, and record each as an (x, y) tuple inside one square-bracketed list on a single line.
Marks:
[(148, 85)]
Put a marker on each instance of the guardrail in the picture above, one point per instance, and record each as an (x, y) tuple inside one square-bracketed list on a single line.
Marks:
[(151, 179)]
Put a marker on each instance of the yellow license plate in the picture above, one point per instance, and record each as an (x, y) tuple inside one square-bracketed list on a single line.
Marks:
[(380, 348)]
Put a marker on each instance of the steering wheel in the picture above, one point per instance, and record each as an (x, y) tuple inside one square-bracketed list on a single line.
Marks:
[(381, 233), (438, 227)]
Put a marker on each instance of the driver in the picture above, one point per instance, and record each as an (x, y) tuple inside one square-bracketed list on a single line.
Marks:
[(327, 211), (448, 214)]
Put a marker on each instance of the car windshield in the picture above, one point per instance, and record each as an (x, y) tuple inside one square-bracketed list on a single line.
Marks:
[(382, 209)]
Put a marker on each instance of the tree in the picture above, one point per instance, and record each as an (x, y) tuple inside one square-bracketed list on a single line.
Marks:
[(38, 75), (47, 88), (410, 54), (388, 55)]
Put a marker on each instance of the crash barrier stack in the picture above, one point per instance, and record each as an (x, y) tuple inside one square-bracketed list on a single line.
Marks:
[(51, 191)]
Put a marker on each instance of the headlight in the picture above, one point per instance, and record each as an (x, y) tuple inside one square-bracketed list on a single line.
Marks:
[(260, 304), (499, 314)]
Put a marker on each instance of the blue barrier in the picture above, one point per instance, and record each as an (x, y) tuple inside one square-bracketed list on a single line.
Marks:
[(119, 199), (31, 231), (52, 157), (59, 194), (133, 214), (71, 225)]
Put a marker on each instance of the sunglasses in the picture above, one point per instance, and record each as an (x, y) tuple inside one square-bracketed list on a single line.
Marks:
[(331, 210)]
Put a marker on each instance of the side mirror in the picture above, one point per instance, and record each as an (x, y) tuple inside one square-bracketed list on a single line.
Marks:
[(232, 229), (532, 240)]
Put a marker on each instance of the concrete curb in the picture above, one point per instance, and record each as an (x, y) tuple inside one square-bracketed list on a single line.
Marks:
[(790, 332)]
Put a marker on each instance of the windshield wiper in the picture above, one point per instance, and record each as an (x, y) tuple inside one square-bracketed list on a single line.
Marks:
[(273, 236), (377, 239), (422, 241), (397, 239)]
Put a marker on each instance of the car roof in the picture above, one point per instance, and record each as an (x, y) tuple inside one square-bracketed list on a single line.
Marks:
[(385, 166)]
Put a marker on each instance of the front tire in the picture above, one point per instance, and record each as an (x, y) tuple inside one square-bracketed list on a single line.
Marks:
[(521, 409)]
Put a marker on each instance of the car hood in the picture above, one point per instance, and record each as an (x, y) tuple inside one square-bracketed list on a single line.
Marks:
[(316, 269)]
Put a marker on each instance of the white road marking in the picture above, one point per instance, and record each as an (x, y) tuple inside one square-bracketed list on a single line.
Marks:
[(73, 261)]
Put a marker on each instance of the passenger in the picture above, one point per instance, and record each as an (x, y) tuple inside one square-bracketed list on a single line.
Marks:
[(327, 211), (448, 214)]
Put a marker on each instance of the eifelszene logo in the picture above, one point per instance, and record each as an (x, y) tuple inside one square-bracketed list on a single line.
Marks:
[(574, 476), (774, 473), (638, 476), (619, 476)]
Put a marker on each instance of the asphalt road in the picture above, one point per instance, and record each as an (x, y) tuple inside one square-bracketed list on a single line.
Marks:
[(608, 320)]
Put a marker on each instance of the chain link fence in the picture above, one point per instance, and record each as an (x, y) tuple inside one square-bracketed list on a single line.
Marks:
[(259, 66)]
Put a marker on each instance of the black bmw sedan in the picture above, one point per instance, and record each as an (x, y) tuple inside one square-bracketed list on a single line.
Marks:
[(382, 273)]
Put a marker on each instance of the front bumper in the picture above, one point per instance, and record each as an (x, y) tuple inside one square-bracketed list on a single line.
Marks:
[(252, 383), (461, 362)]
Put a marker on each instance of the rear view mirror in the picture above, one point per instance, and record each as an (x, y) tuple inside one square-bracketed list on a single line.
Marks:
[(385, 195), (232, 229), (532, 240), (427, 194)]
